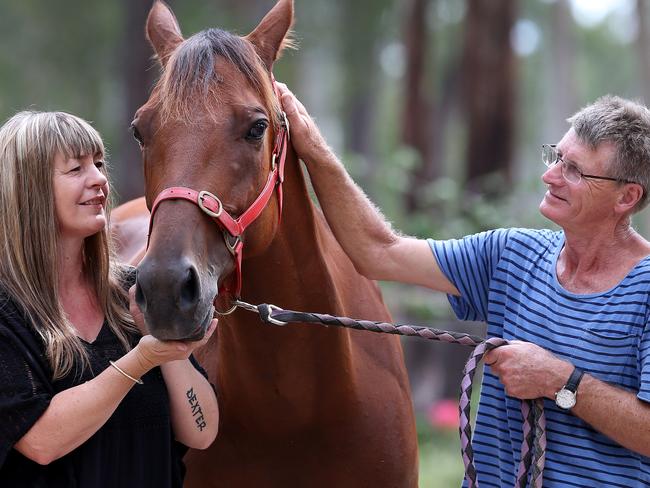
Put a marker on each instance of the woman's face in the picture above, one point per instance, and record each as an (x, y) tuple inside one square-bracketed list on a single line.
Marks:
[(80, 192)]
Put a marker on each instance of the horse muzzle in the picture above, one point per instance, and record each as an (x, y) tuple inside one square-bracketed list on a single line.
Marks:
[(176, 300)]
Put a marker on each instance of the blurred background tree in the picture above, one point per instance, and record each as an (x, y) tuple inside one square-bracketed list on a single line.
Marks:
[(437, 107)]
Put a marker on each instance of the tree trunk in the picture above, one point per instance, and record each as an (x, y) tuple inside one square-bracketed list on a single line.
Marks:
[(360, 33), (416, 127), (563, 96), (489, 88), (643, 44), (138, 74)]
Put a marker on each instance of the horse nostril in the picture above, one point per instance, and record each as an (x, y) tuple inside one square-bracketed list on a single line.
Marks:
[(190, 289)]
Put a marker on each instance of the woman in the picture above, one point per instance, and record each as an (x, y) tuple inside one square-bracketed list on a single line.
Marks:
[(87, 399)]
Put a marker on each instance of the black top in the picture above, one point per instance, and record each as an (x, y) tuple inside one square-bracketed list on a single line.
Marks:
[(136, 446)]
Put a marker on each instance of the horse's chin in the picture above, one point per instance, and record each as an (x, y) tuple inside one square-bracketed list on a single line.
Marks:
[(181, 333), (200, 331)]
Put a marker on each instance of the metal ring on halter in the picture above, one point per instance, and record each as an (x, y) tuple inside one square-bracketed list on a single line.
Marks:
[(202, 195), (226, 239), (229, 311), (273, 162)]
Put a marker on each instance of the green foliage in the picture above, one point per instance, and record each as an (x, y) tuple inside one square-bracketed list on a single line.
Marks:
[(69, 55), (440, 461), (449, 209), (441, 464)]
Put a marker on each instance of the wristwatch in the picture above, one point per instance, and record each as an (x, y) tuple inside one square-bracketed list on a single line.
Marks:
[(566, 397)]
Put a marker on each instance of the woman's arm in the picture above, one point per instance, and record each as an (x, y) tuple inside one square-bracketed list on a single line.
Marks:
[(193, 403), (75, 414), (194, 409)]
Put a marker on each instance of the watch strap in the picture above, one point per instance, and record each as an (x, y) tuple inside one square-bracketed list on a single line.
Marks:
[(574, 380)]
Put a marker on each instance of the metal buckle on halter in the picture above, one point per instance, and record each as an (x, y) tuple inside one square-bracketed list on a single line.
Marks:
[(273, 161), (285, 122), (199, 202)]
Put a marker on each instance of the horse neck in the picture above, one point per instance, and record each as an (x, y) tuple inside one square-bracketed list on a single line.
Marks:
[(298, 261), (291, 273), (304, 269)]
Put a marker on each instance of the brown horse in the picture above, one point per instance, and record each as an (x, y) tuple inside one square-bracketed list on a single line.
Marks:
[(301, 406)]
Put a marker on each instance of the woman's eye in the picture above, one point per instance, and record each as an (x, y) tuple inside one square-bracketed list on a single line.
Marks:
[(136, 135), (99, 164), (75, 169), (257, 131)]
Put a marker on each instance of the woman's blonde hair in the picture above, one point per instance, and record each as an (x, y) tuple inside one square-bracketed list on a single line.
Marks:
[(29, 143)]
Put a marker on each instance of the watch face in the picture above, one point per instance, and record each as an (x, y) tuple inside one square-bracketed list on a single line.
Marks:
[(565, 399)]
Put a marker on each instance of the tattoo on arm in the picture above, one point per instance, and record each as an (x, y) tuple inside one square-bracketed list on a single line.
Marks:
[(197, 413)]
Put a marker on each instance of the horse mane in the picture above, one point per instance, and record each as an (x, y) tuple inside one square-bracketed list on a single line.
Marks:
[(190, 75)]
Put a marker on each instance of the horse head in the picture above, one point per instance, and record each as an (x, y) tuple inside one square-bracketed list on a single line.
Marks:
[(209, 135)]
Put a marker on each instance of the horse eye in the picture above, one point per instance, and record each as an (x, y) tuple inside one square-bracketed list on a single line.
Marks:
[(257, 131), (136, 134)]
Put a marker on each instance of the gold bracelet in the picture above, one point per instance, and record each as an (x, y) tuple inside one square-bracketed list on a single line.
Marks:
[(135, 380)]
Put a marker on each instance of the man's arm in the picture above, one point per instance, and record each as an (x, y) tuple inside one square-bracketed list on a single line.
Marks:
[(376, 251), (615, 412), (528, 371)]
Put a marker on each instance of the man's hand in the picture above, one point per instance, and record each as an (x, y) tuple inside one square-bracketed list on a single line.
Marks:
[(306, 138), (528, 371)]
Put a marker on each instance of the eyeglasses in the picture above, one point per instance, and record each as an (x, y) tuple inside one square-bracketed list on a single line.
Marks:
[(570, 171)]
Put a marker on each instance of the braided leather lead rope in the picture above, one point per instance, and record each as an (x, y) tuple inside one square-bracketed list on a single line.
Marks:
[(533, 445)]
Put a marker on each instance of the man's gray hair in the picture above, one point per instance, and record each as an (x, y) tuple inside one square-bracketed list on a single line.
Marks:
[(626, 124)]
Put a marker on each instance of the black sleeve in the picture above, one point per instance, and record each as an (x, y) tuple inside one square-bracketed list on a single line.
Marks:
[(25, 391)]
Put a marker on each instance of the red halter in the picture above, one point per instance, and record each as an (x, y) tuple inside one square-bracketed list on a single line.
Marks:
[(231, 227)]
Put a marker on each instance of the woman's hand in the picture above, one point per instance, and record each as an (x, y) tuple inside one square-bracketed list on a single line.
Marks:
[(153, 352)]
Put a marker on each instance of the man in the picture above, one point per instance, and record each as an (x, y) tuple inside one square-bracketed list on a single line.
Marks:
[(574, 302)]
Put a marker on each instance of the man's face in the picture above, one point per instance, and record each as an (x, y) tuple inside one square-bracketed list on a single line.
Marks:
[(588, 202)]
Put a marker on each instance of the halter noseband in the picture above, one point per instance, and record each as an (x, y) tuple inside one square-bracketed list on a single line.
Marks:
[(232, 228)]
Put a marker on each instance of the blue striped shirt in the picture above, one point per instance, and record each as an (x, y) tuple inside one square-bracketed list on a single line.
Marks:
[(508, 279)]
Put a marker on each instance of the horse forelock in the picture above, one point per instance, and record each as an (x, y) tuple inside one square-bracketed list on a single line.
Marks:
[(190, 75)]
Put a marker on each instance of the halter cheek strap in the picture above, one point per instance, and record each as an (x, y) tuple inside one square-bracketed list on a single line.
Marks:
[(233, 228)]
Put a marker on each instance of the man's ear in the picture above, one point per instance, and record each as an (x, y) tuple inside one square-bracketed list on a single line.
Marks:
[(270, 35), (163, 31), (629, 196)]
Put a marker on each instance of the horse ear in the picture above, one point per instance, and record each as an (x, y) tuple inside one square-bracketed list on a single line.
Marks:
[(163, 31), (270, 36)]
